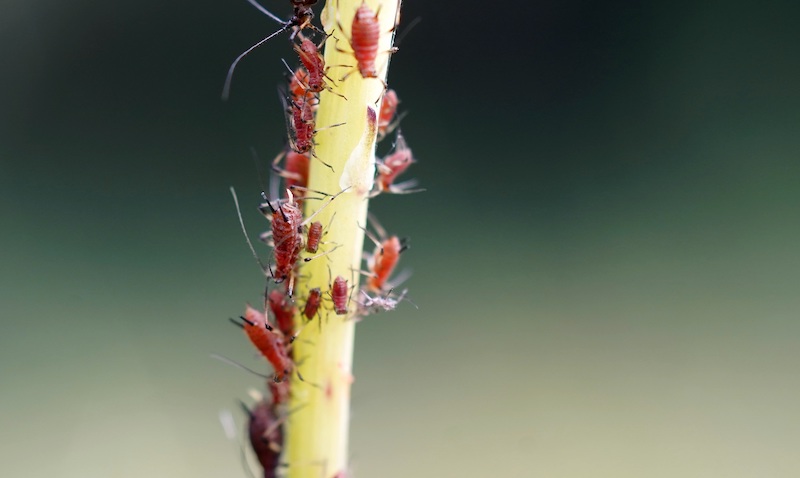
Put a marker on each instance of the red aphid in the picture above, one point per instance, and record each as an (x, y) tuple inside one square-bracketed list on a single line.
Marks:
[(394, 164), (383, 262), (314, 64), (298, 84), (267, 342), (287, 223), (364, 36), (387, 112), (283, 311), (340, 295), (314, 237), (295, 170), (312, 303)]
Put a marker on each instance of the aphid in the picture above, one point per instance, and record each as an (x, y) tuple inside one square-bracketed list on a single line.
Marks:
[(266, 435), (384, 260), (287, 222), (373, 305), (298, 83), (394, 165), (287, 228), (340, 295), (302, 124), (313, 63), (301, 19), (386, 114), (267, 342), (295, 169), (283, 311), (312, 303), (314, 236), (364, 36), (364, 41)]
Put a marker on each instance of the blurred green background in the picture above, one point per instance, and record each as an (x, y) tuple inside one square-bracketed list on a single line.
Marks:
[(606, 260)]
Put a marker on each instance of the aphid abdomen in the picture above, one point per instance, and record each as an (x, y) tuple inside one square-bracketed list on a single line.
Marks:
[(314, 237), (364, 36)]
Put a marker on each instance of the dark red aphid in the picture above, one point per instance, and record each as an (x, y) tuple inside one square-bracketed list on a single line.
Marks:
[(303, 125), (314, 237), (387, 113), (340, 295), (287, 222), (283, 311), (268, 343), (312, 303), (266, 436)]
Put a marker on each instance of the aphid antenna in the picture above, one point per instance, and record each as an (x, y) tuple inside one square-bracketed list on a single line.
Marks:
[(266, 12), (231, 432), (272, 209), (371, 237), (238, 365), (264, 268), (267, 325), (376, 224), (226, 89)]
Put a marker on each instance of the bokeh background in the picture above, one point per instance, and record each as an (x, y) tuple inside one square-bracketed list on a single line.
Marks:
[(606, 260)]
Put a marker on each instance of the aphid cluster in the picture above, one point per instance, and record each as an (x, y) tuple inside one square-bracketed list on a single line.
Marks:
[(296, 238)]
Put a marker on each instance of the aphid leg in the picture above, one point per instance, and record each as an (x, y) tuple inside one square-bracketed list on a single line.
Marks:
[(238, 365), (309, 259)]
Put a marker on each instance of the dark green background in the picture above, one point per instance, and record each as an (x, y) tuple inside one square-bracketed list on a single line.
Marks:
[(605, 262)]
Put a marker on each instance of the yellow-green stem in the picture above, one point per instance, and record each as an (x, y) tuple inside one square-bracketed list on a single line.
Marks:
[(317, 430)]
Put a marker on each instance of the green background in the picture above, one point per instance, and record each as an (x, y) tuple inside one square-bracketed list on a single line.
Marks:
[(606, 260)]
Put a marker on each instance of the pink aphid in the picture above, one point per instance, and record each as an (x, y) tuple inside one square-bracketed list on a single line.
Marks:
[(387, 113), (394, 165), (364, 36)]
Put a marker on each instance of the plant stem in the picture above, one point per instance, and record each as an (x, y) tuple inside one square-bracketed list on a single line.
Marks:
[(317, 430)]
